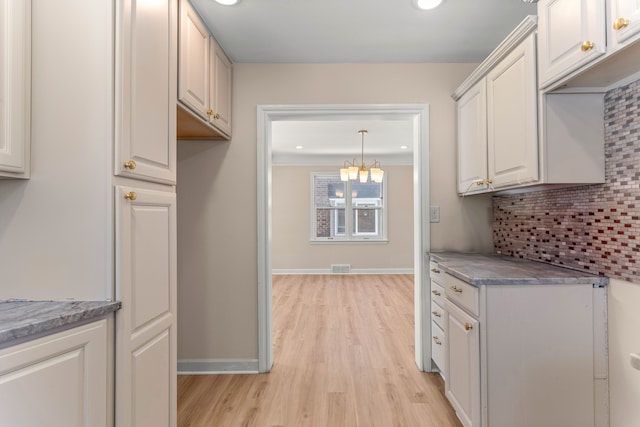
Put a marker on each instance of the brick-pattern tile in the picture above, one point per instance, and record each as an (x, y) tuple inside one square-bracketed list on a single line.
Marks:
[(596, 227)]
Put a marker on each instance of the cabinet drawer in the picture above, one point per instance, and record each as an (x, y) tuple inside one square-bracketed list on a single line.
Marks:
[(437, 293), (437, 313), (461, 293), (437, 345), (435, 272)]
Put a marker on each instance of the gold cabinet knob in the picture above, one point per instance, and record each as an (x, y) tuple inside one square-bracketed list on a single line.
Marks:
[(437, 340), (436, 293), (131, 195), (131, 164), (480, 183), (620, 23), (216, 116), (209, 112), (435, 313), (468, 326), (489, 181), (587, 46), (456, 289), (435, 270)]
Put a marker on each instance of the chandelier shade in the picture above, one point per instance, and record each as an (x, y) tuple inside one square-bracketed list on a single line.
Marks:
[(354, 170)]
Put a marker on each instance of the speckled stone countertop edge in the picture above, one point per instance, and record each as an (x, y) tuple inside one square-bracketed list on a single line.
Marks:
[(20, 320), (495, 269)]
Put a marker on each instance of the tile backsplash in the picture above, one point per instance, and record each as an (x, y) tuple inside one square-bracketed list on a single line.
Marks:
[(595, 227)]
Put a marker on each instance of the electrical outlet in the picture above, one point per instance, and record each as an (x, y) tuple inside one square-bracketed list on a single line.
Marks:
[(434, 214)]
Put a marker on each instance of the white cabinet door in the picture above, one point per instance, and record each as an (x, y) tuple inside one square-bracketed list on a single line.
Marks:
[(571, 33), (624, 22), (145, 326), (15, 87), (146, 74), (512, 124), (194, 73), (462, 364), (56, 381), (472, 139), (220, 94)]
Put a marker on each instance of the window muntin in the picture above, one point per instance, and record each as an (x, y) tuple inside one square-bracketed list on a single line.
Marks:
[(334, 201)]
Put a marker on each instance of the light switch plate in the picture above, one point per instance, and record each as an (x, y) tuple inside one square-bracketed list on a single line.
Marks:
[(434, 214)]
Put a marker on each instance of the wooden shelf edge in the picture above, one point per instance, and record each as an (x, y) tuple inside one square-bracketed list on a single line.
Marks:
[(191, 127)]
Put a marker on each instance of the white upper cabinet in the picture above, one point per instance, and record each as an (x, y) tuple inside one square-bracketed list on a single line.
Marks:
[(194, 75), (146, 55), (204, 85), (220, 95), (512, 117), (472, 139), (498, 117), (513, 137), (624, 22), (571, 33), (15, 88), (587, 43)]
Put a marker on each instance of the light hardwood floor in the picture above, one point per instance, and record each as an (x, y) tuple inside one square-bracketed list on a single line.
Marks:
[(343, 357)]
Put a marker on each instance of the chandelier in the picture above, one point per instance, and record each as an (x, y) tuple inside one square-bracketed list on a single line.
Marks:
[(354, 169)]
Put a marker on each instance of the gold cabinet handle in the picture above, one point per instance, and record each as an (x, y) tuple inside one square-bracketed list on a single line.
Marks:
[(489, 181), (620, 23), (480, 183), (468, 326), (131, 164), (437, 341), (435, 270), (456, 289), (587, 46), (435, 313), (209, 112), (131, 195), (216, 116), (436, 293)]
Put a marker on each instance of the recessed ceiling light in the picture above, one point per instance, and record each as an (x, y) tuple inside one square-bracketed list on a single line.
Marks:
[(426, 4), (299, 147), (403, 147), (227, 2)]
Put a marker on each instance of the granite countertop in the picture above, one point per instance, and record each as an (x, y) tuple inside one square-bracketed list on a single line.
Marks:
[(495, 269), (20, 320)]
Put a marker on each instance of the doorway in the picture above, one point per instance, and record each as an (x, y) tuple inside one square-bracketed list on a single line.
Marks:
[(418, 116)]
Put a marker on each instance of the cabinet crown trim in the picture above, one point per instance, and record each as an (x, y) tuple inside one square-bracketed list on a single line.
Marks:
[(522, 31)]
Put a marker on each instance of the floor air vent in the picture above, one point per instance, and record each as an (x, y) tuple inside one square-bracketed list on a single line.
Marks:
[(340, 268)]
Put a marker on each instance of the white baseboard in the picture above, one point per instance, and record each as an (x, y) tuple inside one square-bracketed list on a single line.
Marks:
[(281, 271), (217, 366)]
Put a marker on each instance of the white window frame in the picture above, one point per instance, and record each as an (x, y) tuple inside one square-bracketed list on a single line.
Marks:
[(348, 236)]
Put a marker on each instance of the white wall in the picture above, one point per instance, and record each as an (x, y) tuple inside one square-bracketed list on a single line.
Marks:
[(291, 223), (624, 338), (217, 220), (55, 229)]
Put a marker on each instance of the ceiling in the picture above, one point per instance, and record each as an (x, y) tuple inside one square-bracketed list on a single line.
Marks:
[(313, 31), (356, 31), (331, 142)]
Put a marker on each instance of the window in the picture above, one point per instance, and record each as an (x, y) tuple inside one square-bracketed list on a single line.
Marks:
[(346, 211)]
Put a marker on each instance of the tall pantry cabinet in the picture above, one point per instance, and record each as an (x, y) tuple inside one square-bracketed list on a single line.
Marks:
[(145, 217), (97, 218)]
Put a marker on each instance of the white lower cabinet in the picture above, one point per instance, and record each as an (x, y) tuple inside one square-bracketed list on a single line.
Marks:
[(438, 334), (145, 326), (462, 365), (57, 381), (526, 355)]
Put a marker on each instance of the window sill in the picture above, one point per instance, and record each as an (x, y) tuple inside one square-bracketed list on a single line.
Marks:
[(350, 242)]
